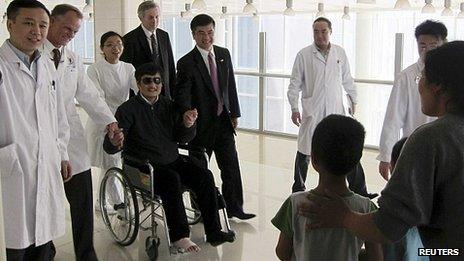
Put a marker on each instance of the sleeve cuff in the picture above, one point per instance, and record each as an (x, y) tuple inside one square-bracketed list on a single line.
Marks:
[(393, 228)]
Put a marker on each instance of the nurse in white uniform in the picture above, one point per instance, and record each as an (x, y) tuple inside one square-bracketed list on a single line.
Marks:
[(113, 79)]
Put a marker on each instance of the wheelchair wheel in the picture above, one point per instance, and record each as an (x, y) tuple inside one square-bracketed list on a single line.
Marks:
[(119, 207), (192, 210)]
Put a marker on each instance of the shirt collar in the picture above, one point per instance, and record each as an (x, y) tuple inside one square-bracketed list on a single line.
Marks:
[(205, 53), (322, 52), (146, 100), (49, 47), (147, 32), (24, 57)]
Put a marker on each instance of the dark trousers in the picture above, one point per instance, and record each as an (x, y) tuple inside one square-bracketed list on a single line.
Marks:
[(222, 143), (169, 181), (79, 194), (356, 178), (35, 253)]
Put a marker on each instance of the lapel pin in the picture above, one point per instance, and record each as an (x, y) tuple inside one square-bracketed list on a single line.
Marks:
[(221, 60)]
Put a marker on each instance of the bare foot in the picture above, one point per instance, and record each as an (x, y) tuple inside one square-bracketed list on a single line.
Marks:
[(185, 245)]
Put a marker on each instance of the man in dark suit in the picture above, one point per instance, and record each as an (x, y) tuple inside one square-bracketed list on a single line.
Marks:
[(148, 43), (205, 81)]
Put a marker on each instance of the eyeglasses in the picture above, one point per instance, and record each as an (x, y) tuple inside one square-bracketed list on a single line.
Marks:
[(119, 45), (149, 80), (418, 78)]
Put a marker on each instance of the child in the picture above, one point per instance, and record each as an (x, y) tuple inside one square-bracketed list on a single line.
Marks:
[(337, 146)]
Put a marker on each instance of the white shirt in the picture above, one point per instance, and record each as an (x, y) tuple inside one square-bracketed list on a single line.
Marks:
[(404, 112), (148, 34), (204, 54), (77, 85), (33, 139)]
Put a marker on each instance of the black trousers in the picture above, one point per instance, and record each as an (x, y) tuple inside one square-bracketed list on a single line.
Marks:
[(169, 181), (79, 194), (222, 143), (356, 178), (44, 252)]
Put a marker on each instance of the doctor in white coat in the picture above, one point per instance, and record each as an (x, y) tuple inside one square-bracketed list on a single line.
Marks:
[(33, 137), (321, 71), (64, 24), (404, 112)]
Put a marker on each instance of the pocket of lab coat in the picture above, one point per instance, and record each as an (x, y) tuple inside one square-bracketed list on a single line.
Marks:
[(9, 162), (307, 107)]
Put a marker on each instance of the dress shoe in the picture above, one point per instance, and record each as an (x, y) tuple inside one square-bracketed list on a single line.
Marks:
[(240, 215), (220, 237)]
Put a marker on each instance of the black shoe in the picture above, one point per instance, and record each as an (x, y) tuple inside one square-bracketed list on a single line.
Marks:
[(240, 215), (220, 237), (372, 195)]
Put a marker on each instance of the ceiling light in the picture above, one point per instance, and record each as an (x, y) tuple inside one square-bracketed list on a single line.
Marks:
[(198, 5), (428, 7), (320, 10), (289, 11), (447, 10), (346, 13), (461, 14), (249, 8), (88, 8), (255, 17), (187, 13), (224, 12), (402, 4)]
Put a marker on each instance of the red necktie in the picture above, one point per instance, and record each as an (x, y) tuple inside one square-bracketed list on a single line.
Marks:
[(214, 80)]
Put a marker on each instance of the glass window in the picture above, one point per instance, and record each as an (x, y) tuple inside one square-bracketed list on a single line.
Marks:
[(248, 95), (372, 105), (245, 49), (83, 42), (277, 111)]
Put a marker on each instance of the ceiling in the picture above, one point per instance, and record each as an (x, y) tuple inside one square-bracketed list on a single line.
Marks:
[(300, 6)]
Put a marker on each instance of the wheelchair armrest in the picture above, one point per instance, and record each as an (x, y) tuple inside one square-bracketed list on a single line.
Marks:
[(192, 148), (133, 161)]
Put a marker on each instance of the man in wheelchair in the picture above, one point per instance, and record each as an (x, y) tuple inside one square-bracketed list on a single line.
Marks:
[(150, 128)]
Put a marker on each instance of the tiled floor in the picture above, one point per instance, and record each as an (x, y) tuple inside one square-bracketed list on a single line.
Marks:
[(266, 164)]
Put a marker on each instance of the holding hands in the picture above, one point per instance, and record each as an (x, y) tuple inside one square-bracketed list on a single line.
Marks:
[(115, 135), (190, 117)]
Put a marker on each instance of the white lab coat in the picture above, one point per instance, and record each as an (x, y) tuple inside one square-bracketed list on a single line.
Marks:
[(113, 82), (404, 112), (320, 84), (77, 85), (33, 138)]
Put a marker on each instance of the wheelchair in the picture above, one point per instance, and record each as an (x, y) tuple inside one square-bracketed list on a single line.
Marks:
[(136, 189)]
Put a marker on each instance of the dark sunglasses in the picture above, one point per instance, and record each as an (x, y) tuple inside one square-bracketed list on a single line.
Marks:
[(148, 80)]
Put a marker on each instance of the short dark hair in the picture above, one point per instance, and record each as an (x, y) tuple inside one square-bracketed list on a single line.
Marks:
[(397, 150), (431, 27), (337, 144), (201, 20), (13, 8), (107, 35), (62, 9), (147, 69), (323, 19), (443, 66)]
